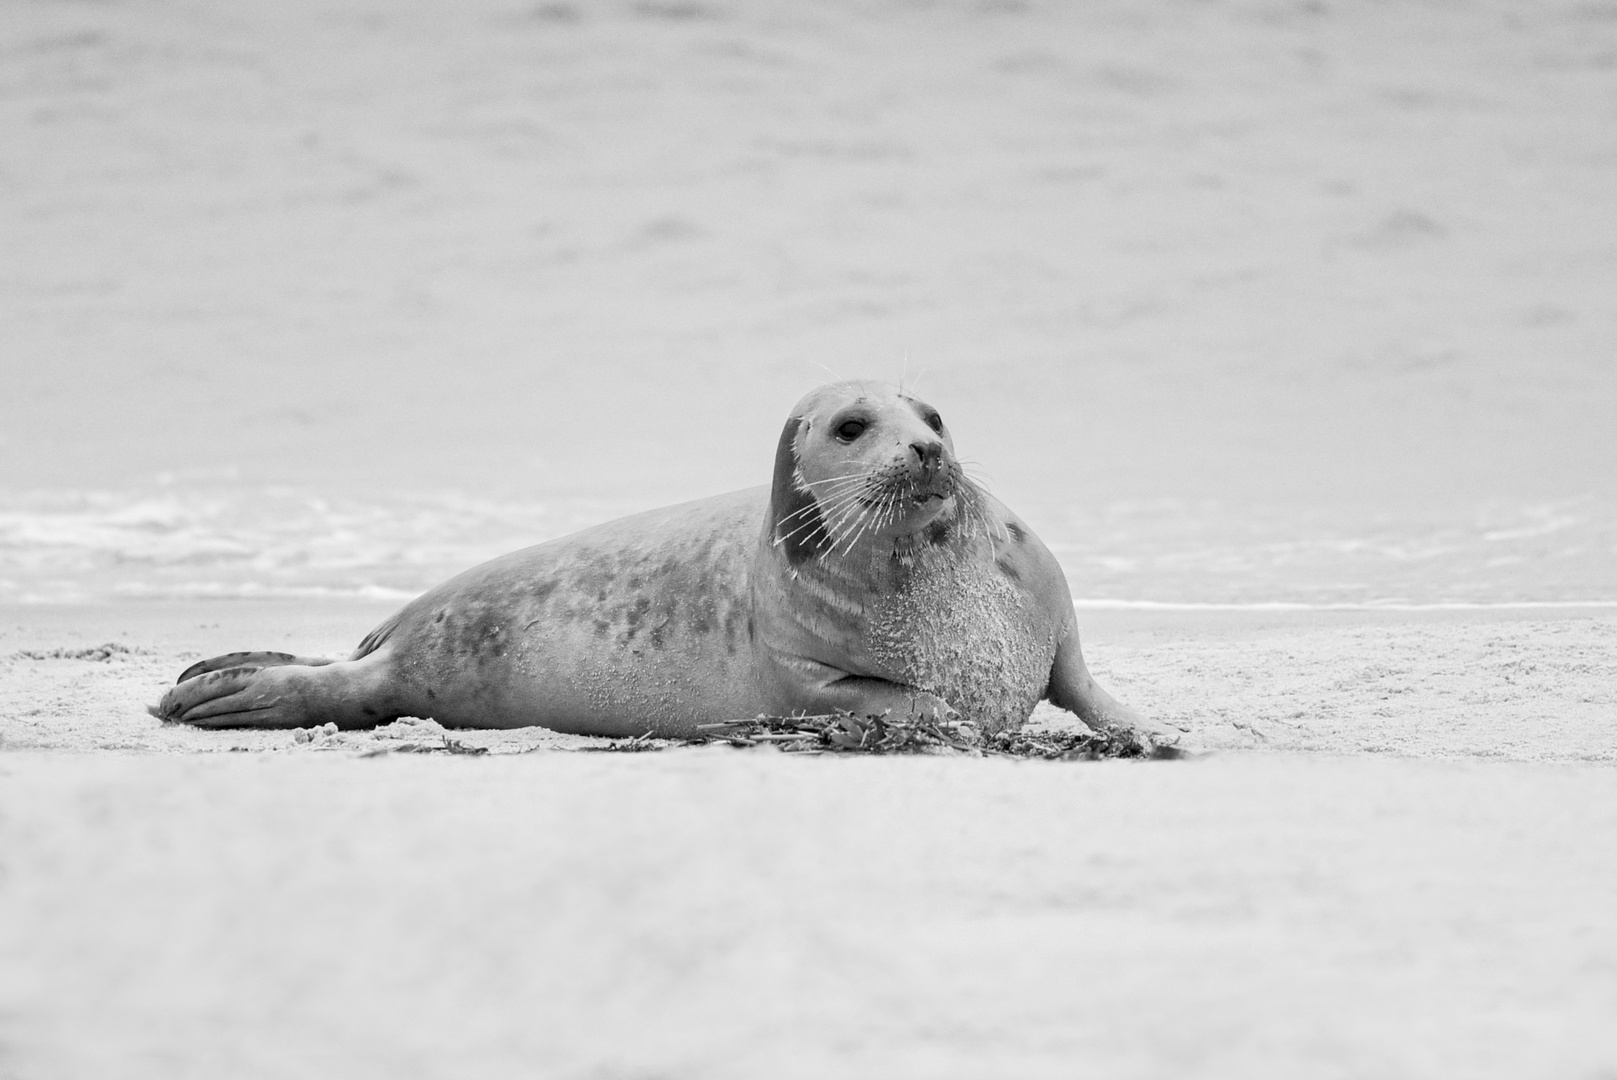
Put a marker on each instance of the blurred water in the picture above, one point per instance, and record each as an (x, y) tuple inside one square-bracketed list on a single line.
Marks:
[(1246, 303), (182, 542)]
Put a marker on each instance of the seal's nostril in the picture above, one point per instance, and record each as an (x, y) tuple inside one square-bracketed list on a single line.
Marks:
[(927, 455)]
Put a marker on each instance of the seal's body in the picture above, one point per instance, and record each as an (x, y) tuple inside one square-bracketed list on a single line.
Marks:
[(871, 575)]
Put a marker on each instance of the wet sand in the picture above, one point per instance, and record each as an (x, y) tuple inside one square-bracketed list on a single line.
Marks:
[(1392, 862)]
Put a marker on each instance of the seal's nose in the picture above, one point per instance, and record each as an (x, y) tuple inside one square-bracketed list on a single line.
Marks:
[(927, 456)]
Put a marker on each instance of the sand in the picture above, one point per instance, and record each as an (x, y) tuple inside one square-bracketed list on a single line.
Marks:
[(1520, 685), (1391, 858)]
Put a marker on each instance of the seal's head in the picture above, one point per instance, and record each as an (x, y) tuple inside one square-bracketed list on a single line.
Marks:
[(862, 463)]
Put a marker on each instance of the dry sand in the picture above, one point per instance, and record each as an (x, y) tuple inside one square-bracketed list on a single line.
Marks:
[(1395, 861)]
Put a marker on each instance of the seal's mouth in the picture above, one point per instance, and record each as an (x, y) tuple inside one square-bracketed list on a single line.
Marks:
[(896, 495), (939, 492), (939, 487)]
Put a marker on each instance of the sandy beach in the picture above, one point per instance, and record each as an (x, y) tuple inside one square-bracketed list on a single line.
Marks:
[(1288, 326), (1389, 858), (1527, 685)]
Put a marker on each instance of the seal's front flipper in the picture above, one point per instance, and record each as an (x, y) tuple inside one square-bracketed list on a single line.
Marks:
[(1074, 689), (280, 693), (825, 689)]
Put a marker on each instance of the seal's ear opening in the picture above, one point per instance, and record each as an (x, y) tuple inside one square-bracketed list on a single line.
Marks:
[(793, 511)]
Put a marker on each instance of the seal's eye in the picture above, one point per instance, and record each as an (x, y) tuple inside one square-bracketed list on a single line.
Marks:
[(851, 430), (935, 422)]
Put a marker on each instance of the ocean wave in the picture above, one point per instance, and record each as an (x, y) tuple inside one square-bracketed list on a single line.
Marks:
[(188, 542)]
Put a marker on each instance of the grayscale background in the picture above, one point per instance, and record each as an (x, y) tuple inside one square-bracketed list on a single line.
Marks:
[(1289, 325)]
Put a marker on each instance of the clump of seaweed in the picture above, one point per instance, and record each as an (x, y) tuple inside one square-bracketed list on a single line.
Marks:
[(847, 733), (1077, 746)]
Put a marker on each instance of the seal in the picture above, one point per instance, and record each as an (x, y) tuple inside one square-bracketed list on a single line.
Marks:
[(871, 575)]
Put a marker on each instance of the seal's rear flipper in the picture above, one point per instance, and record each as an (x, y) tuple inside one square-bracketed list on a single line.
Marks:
[(274, 690), (247, 659)]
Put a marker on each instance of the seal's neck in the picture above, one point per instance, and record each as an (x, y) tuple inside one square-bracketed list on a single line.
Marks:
[(826, 601)]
